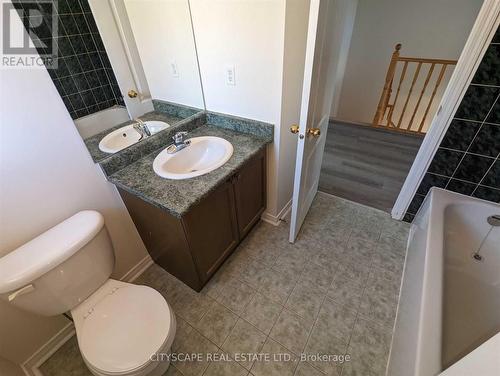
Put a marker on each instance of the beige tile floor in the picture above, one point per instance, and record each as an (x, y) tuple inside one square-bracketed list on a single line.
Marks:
[(333, 292)]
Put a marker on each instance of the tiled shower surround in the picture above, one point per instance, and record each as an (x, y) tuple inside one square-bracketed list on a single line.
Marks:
[(467, 160), (83, 77)]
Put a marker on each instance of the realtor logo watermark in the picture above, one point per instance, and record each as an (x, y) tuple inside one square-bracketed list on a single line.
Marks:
[(29, 34)]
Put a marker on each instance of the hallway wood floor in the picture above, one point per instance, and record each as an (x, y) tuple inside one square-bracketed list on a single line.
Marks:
[(366, 165)]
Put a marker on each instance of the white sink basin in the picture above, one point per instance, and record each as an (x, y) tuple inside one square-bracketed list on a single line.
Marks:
[(125, 136), (204, 154)]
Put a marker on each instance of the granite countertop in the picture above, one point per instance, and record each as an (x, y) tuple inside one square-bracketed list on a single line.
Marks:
[(92, 143), (178, 196)]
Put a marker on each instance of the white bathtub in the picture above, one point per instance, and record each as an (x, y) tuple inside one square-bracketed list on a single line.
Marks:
[(450, 302), (98, 122)]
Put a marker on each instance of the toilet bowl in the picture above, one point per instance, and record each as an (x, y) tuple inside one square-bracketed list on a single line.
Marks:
[(121, 328)]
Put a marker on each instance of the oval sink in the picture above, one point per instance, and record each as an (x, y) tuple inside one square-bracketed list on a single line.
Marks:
[(204, 154), (125, 136)]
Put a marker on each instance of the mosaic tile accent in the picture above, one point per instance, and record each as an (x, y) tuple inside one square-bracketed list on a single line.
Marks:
[(467, 160), (84, 77)]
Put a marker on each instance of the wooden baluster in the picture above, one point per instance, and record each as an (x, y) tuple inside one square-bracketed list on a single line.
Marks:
[(401, 78), (384, 98), (415, 76), (427, 79), (438, 82), (385, 110)]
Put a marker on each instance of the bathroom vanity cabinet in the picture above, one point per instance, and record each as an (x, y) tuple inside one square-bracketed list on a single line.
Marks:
[(192, 247)]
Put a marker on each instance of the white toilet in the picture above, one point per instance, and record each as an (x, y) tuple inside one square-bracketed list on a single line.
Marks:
[(120, 327)]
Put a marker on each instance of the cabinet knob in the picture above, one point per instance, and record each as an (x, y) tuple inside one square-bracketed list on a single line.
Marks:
[(294, 129), (132, 94)]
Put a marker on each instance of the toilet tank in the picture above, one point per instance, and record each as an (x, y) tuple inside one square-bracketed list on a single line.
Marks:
[(60, 268)]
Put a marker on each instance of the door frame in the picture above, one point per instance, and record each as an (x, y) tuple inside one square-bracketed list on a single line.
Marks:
[(312, 31), (483, 30), (116, 33)]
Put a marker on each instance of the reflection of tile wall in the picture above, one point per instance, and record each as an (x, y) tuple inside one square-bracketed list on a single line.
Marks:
[(84, 77), (467, 160)]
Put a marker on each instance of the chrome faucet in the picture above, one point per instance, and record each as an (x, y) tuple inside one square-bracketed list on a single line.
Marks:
[(179, 143), (141, 128)]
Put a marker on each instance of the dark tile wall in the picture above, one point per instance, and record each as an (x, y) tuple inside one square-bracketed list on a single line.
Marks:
[(467, 160), (83, 77)]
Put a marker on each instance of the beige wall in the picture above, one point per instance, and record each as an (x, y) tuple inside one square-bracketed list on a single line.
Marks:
[(248, 35), (46, 176), (265, 41), (163, 35), (344, 16), (7, 368), (426, 28)]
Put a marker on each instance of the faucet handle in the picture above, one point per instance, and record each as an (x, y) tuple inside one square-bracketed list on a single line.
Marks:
[(141, 127), (179, 137)]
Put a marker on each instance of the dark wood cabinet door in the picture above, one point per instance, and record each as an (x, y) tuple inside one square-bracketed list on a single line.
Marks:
[(250, 193), (211, 230), (164, 238)]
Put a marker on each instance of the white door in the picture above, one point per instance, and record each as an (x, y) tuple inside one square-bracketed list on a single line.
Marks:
[(317, 96), (114, 27)]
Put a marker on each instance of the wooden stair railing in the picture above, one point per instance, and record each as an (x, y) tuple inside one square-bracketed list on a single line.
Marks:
[(387, 103)]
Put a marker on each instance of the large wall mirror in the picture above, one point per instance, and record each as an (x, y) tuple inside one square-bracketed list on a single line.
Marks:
[(127, 69)]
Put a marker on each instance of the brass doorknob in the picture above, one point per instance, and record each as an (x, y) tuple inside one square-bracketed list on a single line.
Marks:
[(132, 94), (294, 128), (314, 132)]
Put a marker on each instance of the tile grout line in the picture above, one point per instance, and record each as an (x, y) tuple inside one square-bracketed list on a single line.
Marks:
[(485, 174), (357, 310), (473, 139), (72, 75), (100, 57)]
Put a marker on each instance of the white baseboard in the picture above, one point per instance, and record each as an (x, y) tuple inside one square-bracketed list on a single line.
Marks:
[(31, 366), (275, 220), (137, 269)]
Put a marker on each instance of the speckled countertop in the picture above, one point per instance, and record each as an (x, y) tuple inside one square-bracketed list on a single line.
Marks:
[(92, 143), (178, 196)]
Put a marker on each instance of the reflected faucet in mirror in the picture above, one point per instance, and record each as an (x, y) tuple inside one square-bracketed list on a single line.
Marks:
[(94, 79), (141, 128)]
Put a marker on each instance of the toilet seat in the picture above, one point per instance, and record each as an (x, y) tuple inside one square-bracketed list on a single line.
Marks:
[(120, 326)]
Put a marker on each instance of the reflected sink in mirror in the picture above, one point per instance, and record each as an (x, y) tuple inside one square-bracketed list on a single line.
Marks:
[(202, 155), (122, 74), (127, 135)]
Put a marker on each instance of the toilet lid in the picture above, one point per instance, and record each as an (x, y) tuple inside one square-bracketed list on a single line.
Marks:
[(124, 329)]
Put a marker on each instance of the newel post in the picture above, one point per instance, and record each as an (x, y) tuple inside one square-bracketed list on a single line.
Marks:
[(386, 92)]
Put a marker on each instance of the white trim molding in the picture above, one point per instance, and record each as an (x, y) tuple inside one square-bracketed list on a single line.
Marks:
[(138, 269), (275, 220), (481, 34), (130, 49), (32, 365)]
